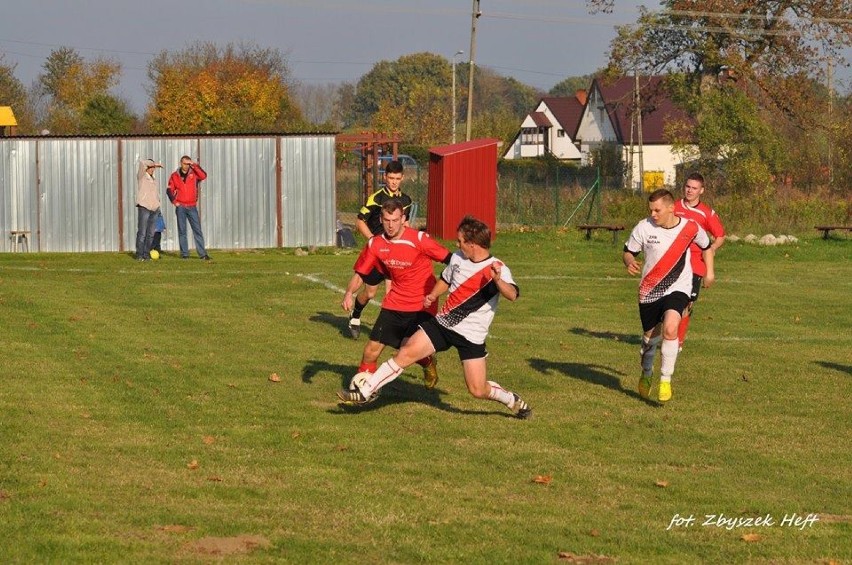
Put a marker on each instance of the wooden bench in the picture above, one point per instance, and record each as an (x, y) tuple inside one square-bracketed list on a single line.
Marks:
[(828, 229), (591, 227)]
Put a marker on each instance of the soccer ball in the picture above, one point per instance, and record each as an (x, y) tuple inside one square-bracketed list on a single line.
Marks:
[(359, 379), (155, 254)]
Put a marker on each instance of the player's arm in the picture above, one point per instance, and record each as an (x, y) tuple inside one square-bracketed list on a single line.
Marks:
[(440, 288), (349, 297), (634, 267), (507, 289), (362, 228), (709, 257)]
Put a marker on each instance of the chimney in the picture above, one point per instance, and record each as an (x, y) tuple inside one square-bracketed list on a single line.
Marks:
[(581, 96)]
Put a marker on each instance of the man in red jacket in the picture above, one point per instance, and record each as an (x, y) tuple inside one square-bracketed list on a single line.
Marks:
[(183, 192)]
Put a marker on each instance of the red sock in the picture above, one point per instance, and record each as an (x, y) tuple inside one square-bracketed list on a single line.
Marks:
[(369, 367), (425, 361), (681, 330)]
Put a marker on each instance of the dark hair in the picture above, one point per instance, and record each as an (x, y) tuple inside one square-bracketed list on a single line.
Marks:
[(661, 193), (393, 167), (695, 175), (391, 205), (475, 231)]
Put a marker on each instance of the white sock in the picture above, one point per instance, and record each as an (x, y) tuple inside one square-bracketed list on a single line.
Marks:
[(648, 351), (500, 394), (386, 372), (668, 351)]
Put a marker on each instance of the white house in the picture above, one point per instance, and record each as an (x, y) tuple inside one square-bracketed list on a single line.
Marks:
[(550, 129), (607, 116)]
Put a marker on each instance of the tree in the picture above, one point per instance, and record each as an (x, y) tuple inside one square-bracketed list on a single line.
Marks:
[(229, 89), (68, 84), (769, 54), (14, 94), (105, 114), (570, 85)]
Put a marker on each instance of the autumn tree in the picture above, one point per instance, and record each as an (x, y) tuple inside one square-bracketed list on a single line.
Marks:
[(569, 86), (235, 88), (14, 94), (68, 86), (773, 53)]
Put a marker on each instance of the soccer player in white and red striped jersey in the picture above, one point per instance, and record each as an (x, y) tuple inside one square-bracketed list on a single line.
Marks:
[(665, 239), (691, 207), (475, 280), (404, 255)]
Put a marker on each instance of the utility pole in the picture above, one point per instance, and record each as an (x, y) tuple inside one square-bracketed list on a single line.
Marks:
[(475, 13), (830, 78), (637, 105), (459, 52)]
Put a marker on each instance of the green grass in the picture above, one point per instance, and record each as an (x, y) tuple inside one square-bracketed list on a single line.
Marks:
[(116, 376)]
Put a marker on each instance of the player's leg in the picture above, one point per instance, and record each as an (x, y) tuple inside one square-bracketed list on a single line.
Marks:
[(476, 379), (650, 315), (430, 362), (367, 293), (674, 304), (370, 356), (687, 315)]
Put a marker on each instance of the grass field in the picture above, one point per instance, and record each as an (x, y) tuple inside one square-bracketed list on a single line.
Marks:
[(138, 421)]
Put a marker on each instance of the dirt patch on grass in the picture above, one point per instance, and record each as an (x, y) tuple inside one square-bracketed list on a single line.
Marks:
[(229, 546)]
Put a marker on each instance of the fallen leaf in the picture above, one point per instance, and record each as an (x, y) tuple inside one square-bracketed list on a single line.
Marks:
[(209, 440), (192, 465), (295, 435), (341, 447), (745, 378), (275, 378), (752, 537), (215, 479), (4, 495), (542, 479), (662, 484), (594, 533), (584, 559)]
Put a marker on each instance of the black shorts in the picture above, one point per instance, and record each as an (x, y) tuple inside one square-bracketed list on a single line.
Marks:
[(443, 338), (392, 326), (373, 278), (696, 288), (652, 313)]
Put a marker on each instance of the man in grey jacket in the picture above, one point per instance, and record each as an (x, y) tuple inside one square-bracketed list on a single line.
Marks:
[(147, 206)]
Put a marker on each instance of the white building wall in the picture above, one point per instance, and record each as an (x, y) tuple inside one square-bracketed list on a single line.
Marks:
[(654, 158)]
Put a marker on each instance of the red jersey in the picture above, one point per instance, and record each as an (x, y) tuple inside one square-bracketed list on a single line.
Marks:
[(407, 261), (185, 188), (706, 217)]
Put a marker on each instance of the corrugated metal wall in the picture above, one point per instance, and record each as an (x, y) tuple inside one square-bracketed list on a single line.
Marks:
[(80, 194)]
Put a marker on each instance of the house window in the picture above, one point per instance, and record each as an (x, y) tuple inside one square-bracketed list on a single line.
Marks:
[(531, 136), (560, 133)]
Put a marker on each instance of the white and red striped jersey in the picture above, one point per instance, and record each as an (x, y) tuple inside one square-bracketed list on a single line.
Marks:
[(407, 261), (709, 220), (667, 266), (472, 300)]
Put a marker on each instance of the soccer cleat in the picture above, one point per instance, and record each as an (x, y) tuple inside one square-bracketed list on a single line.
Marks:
[(520, 408), (355, 327), (430, 372), (645, 386), (665, 391), (354, 397)]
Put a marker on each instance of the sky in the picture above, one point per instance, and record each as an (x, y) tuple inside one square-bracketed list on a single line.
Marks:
[(538, 42)]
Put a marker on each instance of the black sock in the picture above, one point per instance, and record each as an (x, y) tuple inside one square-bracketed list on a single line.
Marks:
[(357, 309)]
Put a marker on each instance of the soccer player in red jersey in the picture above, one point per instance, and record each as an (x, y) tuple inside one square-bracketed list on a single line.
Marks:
[(475, 280), (691, 207), (405, 256), (665, 240)]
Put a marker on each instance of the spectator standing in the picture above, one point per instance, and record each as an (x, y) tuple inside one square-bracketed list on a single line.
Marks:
[(183, 191), (147, 207)]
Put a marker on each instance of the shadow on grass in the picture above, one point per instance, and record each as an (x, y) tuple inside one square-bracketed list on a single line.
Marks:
[(402, 390), (595, 374), (312, 368), (340, 323), (836, 366), (631, 339)]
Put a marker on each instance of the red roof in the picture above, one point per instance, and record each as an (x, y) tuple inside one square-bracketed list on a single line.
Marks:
[(567, 111), (657, 107)]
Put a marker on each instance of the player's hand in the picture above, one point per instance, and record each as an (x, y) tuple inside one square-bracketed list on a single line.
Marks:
[(634, 267), (347, 302), (496, 269), (709, 279), (428, 300)]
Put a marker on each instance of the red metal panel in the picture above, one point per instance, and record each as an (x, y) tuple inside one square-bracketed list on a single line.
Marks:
[(462, 181)]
